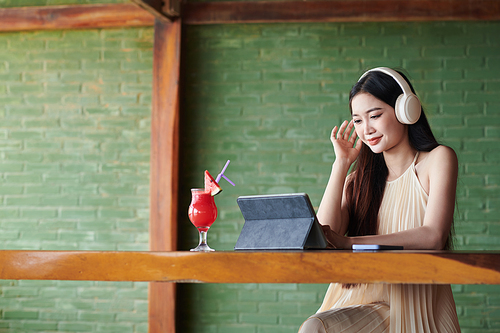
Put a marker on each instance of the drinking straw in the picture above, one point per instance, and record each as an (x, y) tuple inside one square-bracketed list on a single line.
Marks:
[(221, 174), (229, 181)]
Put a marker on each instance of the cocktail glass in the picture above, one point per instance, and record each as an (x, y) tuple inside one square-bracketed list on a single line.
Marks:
[(202, 213)]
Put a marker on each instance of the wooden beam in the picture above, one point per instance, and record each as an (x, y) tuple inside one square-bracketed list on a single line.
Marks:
[(73, 17), (131, 15), (164, 162), (433, 267), (165, 10), (172, 8), (338, 11)]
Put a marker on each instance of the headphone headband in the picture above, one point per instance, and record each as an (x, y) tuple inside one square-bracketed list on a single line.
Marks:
[(395, 75)]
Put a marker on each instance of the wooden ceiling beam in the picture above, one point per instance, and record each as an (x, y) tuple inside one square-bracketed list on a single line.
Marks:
[(74, 17), (164, 10), (143, 13), (338, 11)]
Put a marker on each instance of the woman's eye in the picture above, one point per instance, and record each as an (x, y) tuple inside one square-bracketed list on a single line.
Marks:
[(356, 121), (375, 116)]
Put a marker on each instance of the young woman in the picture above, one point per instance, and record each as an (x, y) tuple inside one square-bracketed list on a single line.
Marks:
[(401, 192)]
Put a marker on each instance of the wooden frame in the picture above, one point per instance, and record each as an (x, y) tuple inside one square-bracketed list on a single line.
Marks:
[(164, 165), (164, 151), (128, 15), (73, 17), (338, 11), (429, 267), (164, 10)]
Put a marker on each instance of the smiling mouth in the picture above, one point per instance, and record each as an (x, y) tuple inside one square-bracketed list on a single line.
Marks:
[(374, 141)]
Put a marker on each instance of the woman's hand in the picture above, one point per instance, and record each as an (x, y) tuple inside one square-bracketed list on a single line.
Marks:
[(344, 144), (335, 240)]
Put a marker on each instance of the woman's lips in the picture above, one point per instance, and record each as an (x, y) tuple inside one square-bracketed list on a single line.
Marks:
[(374, 141)]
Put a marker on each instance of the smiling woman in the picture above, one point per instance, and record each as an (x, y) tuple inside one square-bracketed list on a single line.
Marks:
[(401, 192)]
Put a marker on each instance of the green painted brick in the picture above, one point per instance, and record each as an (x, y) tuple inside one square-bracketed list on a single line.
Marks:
[(242, 76), (9, 235), (480, 74), (125, 189), (255, 64), (465, 132), (289, 75), (281, 98), (19, 315), (259, 42), (137, 66), (96, 316), (11, 189), (19, 291), (39, 326), (11, 167), (493, 180), (115, 328), (263, 133), (276, 329), (38, 236), (258, 318), (78, 213), (116, 213), (61, 315), (26, 134), (241, 328), (23, 178), (76, 327), (257, 296)]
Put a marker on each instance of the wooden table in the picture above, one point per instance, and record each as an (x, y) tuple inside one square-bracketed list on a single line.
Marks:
[(437, 267)]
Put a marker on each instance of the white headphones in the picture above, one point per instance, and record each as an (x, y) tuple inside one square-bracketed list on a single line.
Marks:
[(408, 107)]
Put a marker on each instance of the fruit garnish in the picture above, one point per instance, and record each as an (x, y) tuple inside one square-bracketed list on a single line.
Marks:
[(211, 186)]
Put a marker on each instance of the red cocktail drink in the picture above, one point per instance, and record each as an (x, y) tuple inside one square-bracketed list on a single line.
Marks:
[(202, 213)]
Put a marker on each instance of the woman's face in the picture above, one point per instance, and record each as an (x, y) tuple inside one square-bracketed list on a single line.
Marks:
[(376, 124)]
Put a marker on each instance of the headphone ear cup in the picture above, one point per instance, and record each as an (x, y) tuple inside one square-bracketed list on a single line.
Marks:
[(408, 109)]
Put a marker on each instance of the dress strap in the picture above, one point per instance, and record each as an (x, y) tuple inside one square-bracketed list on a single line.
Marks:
[(416, 156)]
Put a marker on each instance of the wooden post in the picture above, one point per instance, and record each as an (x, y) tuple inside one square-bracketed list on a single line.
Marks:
[(164, 166)]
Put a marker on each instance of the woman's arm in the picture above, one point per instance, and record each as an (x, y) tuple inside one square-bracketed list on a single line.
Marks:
[(442, 176), (332, 210)]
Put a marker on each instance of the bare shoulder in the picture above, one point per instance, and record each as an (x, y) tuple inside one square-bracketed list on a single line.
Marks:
[(442, 156), (442, 161), (436, 166)]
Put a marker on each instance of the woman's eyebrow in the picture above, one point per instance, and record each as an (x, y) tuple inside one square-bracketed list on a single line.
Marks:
[(368, 111)]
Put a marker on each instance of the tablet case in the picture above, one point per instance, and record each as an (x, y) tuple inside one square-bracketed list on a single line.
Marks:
[(279, 222)]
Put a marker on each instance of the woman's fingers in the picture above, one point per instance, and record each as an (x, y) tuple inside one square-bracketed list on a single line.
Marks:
[(327, 231), (344, 132), (348, 130), (342, 129), (353, 137), (333, 136)]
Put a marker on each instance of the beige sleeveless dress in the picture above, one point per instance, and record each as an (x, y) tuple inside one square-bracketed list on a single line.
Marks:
[(394, 308)]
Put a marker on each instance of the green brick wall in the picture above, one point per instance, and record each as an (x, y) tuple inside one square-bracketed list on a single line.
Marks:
[(74, 170), (74, 153), (266, 97)]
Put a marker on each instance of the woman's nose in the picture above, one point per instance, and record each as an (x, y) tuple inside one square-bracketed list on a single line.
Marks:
[(368, 129)]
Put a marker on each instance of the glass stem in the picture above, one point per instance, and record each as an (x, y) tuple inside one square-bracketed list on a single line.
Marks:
[(203, 238)]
